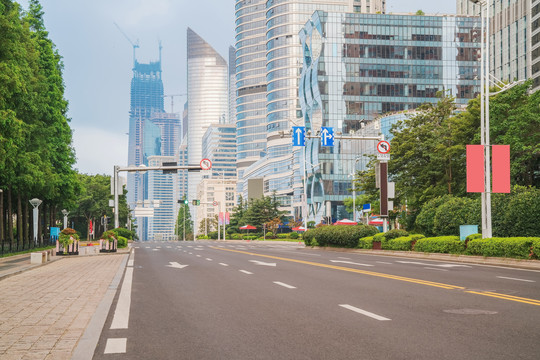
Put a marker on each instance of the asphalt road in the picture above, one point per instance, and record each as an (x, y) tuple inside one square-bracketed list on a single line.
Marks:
[(215, 300)]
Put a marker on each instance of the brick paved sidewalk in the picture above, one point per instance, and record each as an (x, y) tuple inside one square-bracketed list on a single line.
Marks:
[(44, 311)]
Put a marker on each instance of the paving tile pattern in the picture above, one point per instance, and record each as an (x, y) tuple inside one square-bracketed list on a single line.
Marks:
[(45, 311)]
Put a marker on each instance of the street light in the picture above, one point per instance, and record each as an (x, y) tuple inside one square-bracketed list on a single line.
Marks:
[(35, 203), (66, 213), (354, 188)]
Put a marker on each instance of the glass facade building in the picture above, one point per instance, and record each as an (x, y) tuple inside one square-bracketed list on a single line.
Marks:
[(208, 98), (535, 44), (219, 145), (268, 63), (358, 66)]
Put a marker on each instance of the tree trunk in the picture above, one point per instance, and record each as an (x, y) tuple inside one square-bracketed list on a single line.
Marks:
[(20, 239), (10, 217)]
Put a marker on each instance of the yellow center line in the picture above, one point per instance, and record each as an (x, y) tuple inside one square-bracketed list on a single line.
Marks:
[(394, 277)]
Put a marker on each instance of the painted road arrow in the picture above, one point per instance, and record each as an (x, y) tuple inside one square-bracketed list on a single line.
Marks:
[(256, 262), (349, 262), (176, 265)]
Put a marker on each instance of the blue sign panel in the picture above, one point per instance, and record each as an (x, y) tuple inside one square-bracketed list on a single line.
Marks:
[(327, 136), (366, 207), (299, 136)]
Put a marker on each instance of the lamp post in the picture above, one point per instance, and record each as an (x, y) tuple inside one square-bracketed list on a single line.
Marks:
[(65, 213), (35, 203), (305, 215)]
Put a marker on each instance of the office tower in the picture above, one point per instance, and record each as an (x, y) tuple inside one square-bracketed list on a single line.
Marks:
[(161, 188), (146, 99), (268, 62), (207, 88), (232, 86), (364, 65), (535, 44), (511, 36), (219, 145)]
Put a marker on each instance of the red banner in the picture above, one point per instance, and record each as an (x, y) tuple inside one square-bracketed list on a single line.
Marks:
[(500, 158), (475, 168)]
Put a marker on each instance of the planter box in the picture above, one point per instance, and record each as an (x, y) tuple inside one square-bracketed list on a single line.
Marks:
[(106, 246), (72, 249), (377, 245)]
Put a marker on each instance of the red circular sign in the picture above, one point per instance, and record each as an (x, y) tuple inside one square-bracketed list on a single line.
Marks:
[(383, 147), (206, 164)]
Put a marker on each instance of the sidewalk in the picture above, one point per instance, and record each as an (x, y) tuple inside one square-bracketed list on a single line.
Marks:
[(45, 309)]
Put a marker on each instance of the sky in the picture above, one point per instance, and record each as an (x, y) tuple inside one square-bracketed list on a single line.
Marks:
[(98, 59)]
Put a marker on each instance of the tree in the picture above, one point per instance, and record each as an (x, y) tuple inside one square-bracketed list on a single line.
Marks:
[(208, 224), (261, 211), (181, 222), (273, 225)]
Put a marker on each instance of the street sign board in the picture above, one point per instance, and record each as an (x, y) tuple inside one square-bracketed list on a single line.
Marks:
[(206, 164), (383, 147), (299, 136), (327, 136), (215, 203), (383, 157), (366, 207)]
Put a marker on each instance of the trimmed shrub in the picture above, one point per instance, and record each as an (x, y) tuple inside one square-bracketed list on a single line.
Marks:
[(378, 237), (203, 237), (213, 235), (403, 243), (517, 247), (282, 236), (365, 243), (122, 242), (441, 244), (536, 248), (128, 234), (339, 236), (455, 212), (417, 236), (294, 235), (426, 218), (250, 237), (473, 237), (395, 233)]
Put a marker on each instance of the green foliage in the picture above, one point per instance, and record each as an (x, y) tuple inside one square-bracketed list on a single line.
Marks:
[(282, 236), (403, 243), (516, 247), (122, 242), (213, 235), (425, 221), (441, 244), (294, 235), (250, 237), (516, 214), (67, 236), (339, 236), (203, 237), (184, 219), (395, 233), (379, 237), (454, 212), (123, 232), (473, 237), (108, 235), (366, 242)]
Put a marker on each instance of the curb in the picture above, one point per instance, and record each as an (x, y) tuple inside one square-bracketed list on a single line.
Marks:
[(468, 259)]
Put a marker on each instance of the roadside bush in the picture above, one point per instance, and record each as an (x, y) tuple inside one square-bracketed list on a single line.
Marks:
[(378, 237), (203, 237), (536, 248), (122, 242), (473, 237), (282, 236), (512, 213), (517, 247), (250, 237), (441, 244), (426, 218), (455, 212), (128, 234), (416, 236), (339, 236), (213, 235), (366, 243), (403, 243), (395, 233), (294, 235)]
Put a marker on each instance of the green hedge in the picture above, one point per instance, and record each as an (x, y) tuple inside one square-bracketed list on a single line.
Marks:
[(122, 242), (440, 244), (403, 243), (338, 236), (514, 247), (366, 243)]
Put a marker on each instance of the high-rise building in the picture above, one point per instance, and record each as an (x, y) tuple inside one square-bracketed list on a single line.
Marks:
[(219, 145), (161, 190), (268, 63), (358, 66), (535, 44), (208, 98), (511, 36)]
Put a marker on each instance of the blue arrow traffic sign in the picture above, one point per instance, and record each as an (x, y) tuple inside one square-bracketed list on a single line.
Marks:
[(327, 136), (299, 136)]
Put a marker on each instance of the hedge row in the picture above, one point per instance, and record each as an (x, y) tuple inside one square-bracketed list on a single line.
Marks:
[(518, 247), (338, 236)]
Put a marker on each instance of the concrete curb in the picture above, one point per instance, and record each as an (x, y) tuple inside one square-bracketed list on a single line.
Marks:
[(88, 342), (468, 259)]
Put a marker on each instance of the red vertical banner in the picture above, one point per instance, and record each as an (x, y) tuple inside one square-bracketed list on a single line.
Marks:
[(475, 168), (500, 164)]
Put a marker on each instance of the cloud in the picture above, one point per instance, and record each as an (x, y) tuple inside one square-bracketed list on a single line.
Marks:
[(98, 150)]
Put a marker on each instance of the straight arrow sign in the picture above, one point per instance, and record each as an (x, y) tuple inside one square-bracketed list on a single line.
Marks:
[(256, 262), (176, 265)]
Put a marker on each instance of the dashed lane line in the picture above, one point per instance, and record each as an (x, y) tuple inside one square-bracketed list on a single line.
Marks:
[(516, 279), (364, 312), (116, 346), (284, 285), (246, 272)]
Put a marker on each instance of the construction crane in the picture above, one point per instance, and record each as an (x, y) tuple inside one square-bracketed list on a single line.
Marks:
[(172, 99), (135, 45)]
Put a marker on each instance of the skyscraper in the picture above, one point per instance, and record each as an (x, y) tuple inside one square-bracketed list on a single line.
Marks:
[(208, 98), (357, 66), (535, 44), (268, 63)]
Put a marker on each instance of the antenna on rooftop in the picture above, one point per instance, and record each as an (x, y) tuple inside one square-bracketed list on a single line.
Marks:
[(135, 45)]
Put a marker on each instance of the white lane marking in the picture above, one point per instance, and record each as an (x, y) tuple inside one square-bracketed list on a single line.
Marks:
[(131, 258), (198, 255), (116, 346), (121, 314), (159, 247), (284, 285), (174, 264), (148, 247), (190, 253), (430, 268), (155, 249), (257, 262), (130, 262), (509, 278), (364, 312), (349, 262), (441, 265), (222, 264), (168, 247), (209, 259), (246, 272), (384, 262), (344, 258), (137, 247)]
